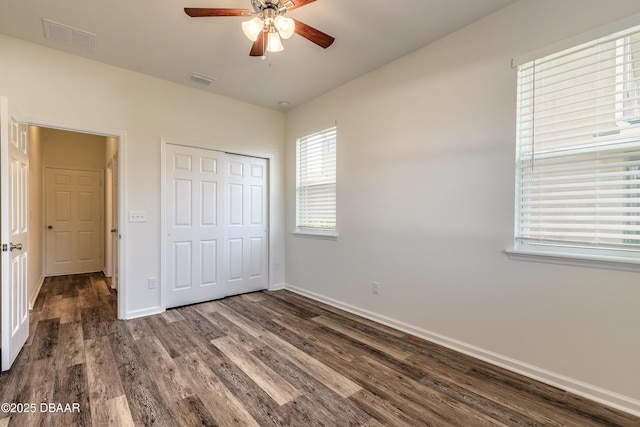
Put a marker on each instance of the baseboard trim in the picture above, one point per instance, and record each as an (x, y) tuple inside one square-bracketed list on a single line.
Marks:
[(144, 312), (278, 287), (589, 391), (34, 295)]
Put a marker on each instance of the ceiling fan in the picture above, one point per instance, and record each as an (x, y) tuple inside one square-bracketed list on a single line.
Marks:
[(268, 24)]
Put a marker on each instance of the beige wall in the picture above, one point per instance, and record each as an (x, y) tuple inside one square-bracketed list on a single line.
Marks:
[(426, 161), (36, 222), (73, 150)]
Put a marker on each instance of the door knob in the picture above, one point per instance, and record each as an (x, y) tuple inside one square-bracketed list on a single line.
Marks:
[(17, 246), (50, 227), (114, 230)]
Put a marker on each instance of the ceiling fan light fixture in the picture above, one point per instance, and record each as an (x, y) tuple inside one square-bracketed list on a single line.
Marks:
[(273, 42), (252, 28), (285, 26)]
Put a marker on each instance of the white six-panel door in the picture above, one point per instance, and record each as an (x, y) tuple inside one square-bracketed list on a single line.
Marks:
[(14, 227), (73, 212), (195, 227), (246, 227), (215, 224)]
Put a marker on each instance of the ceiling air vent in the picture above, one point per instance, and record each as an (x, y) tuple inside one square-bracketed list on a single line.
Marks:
[(200, 78), (69, 36)]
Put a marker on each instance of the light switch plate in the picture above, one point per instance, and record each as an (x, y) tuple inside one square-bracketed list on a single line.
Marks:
[(137, 216)]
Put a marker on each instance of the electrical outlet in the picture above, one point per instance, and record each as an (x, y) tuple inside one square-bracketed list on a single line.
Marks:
[(375, 287), (153, 283)]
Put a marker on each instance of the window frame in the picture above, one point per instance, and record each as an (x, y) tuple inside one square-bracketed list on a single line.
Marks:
[(307, 230), (566, 252)]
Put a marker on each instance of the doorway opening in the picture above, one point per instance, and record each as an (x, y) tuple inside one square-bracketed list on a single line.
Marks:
[(74, 205)]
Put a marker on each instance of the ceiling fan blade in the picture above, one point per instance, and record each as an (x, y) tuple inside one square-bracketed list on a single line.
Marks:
[(311, 34), (197, 12), (258, 46), (294, 4)]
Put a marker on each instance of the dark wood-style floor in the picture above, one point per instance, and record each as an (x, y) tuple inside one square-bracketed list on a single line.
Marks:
[(262, 359)]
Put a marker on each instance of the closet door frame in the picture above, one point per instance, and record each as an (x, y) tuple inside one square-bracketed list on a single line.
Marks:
[(164, 256)]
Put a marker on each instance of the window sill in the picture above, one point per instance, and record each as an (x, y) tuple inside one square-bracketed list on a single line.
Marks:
[(316, 235), (579, 260)]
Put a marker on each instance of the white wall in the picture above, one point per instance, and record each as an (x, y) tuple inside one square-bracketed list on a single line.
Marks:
[(425, 207), (54, 87)]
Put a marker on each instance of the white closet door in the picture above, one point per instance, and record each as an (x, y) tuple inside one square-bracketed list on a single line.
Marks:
[(246, 224), (194, 225), (215, 223)]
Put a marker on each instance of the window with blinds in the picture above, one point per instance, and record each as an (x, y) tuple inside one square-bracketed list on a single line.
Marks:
[(578, 149), (316, 183)]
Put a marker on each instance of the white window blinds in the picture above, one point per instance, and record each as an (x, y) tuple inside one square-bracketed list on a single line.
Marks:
[(316, 182), (578, 147)]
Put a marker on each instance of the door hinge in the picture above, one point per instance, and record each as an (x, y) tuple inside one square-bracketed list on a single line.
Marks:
[(4, 247)]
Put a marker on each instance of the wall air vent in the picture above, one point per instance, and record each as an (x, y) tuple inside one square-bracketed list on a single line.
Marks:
[(200, 78), (69, 36)]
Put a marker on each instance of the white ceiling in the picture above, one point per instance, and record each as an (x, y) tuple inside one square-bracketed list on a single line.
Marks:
[(157, 38)]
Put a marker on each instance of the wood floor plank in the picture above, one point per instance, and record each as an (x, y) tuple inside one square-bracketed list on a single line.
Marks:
[(208, 352), (52, 309), (305, 411), (263, 318), (11, 381), (323, 396), (362, 337), (71, 388), (46, 339), (421, 402), (163, 369), (96, 321), (69, 312), (172, 315), (383, 410), (139, 328), (113, 412), (252, 297), (143, 397), (372, 423), (252, 328), (172, 338), (272, 383), (231, 330), (334, 380), (532, 407), (536, 398), (102, 372), (262, 359), (190, 411), (259, 404), (327, 310), (35, 392), (99, 284), (228, 410), (318, 336), (285, 307), (71, 349), (200, 325)]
